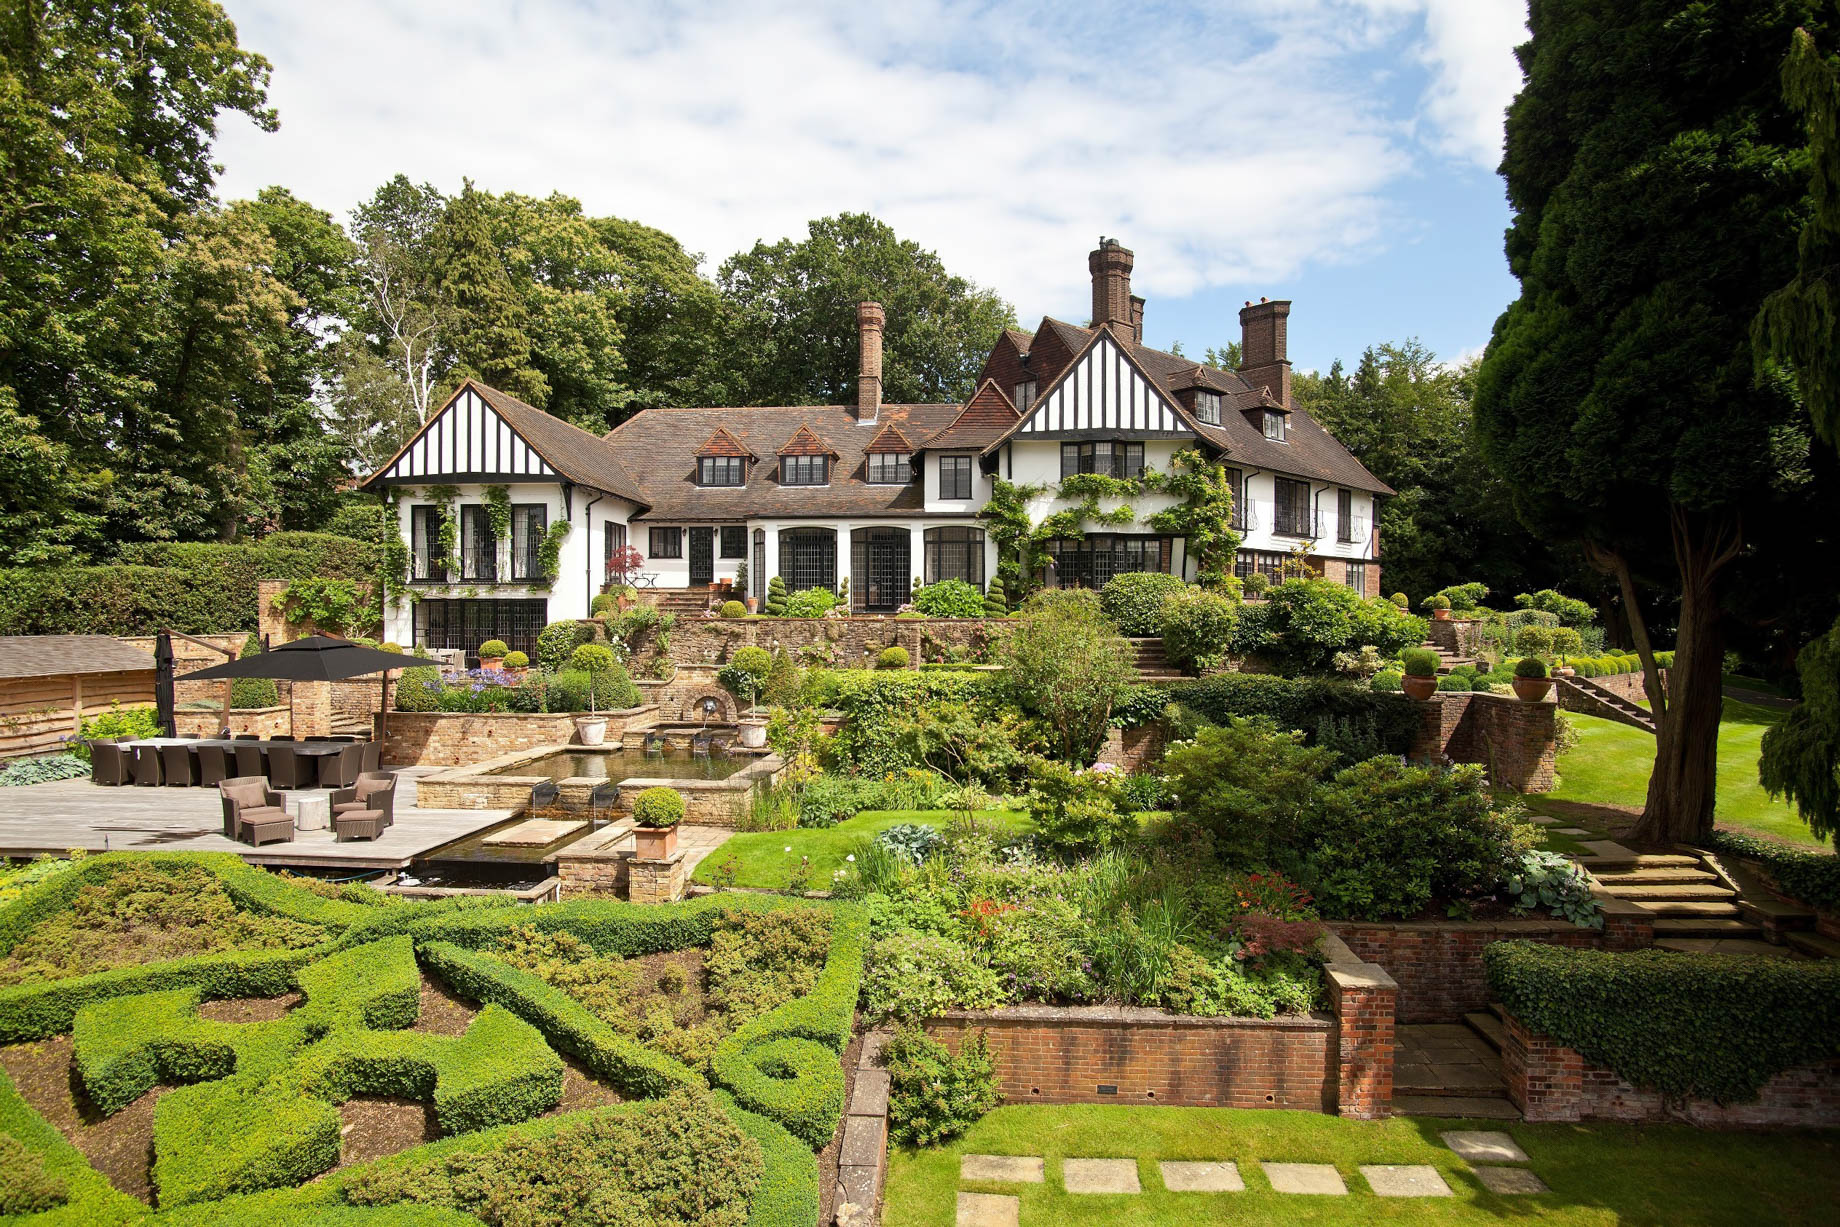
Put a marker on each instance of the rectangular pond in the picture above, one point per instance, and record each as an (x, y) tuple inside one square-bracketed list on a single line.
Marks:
[(627, 764)]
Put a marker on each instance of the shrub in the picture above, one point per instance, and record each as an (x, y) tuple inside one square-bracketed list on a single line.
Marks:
[(1691, 1026), (1566, 642), (1556, 883), (1134, 600), (1076, 812), (1142, 791), (1569, 611), (602, 604), (1534, 641), (43, 770), (892, 658), (776, 597), (934, 1095), (1387, 680), (591, 658), (996, 601), (1811, 877), (1257, 583), (572, 690), (118, 721), (1197, 628), (25, 1186), (1435, 601), (558, 641), (1067, 664), (811, 603), (252, 692), (911, 976), (1388, 839), (1399, 599), (745, 675), (495, 649), (1300, 703), (1530, 667), (1248, 784), (517, 660), (949, 598), (1452, 682), (1464, 597), (1419, 662), (733, 609), (1305, 622), (658, 807)]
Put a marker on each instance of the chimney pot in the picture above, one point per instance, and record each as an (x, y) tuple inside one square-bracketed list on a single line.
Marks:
[(1264, 360), (869, 321), (1110, 266)]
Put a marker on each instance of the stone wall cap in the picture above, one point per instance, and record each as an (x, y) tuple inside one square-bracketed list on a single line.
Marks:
[(1512, 925), (1126, 1016), (1360, 975)]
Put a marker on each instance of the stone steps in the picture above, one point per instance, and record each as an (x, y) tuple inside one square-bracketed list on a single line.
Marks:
[(1658, 877), (1493, 1107), (1677, 892), (1703, 926), (1487, 1023), (1700, 909), (1815, 945)]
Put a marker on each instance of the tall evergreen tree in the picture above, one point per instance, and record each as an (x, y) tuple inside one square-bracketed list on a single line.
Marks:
[(1657, 181), (488, 323)]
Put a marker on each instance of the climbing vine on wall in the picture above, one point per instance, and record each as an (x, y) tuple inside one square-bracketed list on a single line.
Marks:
[(1204, 516), (549, 554), (498, 515), (395, 586), (447, 524), (329, 604)]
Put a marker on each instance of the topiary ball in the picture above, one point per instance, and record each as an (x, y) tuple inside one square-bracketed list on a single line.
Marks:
[(733, 609), (892, 658), (592, 658), (516, 660), (1419, 662), (601, 604), (1399, 599), (493, 649), (1530, 666), (658, 807)]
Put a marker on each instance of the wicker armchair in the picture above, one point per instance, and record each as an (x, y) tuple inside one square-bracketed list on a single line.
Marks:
[(248, 798), (375, 790)]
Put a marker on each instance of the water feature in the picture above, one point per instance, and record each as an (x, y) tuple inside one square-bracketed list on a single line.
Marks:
[(624, 764)]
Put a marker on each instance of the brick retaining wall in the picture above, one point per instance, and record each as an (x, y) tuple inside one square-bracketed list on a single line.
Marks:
[(1550, 1082), (1516, 740), (455, 739), (1135, 749), (1438, 964), (262, 721)]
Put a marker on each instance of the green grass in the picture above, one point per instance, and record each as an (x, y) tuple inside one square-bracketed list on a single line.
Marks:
[(763, 859), (1599, 1174), (1611, 763)]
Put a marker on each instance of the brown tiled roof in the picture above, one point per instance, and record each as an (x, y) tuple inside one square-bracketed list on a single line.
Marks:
[(59, 655), (579, 456), (804, 442), (721, 443), (1020, 339), (889, 439), (1310, 451), (666, 437), (986, 417)]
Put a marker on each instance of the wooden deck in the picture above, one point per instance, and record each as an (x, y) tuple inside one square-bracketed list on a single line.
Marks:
[(68, 814)]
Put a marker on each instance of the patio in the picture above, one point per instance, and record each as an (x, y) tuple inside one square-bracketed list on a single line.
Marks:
[(57, 817)]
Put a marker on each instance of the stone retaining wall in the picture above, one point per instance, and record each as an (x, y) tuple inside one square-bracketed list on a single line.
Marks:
[(1516, 740), (1550, 1082), (1457, 635), (457, 739), (841, 643), (1135, 749), (1438, 963)]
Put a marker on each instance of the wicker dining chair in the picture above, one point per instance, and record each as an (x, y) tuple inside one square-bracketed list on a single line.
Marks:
[(284, 767), (373, 757), (214, 765), (282, 737), (108, 764), (341, 770), (248, 756), (146, 765), (178, 763)]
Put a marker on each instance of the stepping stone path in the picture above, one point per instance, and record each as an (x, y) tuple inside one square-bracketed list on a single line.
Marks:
[(1189, 1177), (1404, 1180), (1569, 831), (1319, 1178), (1022, 1168), (1509, 1180), (1484, 1146), (1100, 1175), (988, 1210)]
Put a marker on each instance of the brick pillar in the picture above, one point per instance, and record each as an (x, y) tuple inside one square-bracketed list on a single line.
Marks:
[(271, 627), (1545, 1078), (312, 709), (1364, 998), (652, 881)]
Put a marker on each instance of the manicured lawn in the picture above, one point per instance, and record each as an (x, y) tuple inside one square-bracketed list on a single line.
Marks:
[(1611, 763), (763, 860), (1597, 1173)]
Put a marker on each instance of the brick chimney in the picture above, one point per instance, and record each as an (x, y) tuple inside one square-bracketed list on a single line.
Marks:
[(1137, 318), (1263, 361), (1111, 285), (869, 320)]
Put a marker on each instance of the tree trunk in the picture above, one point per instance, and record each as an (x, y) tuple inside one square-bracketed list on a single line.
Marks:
[(1680, 792)]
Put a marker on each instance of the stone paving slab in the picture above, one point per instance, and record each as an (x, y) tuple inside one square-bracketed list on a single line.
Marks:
[(1484, 1145), (536, 833), (1189, 1177), (1508, 1181), (870, 1098), (1100, 1175), (1304, 1178), (1026, 1169), (988, 1210), (1569, 831), (1404, 1180)]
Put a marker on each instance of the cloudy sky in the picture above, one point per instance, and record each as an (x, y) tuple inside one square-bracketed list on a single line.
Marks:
[(1340, 153)]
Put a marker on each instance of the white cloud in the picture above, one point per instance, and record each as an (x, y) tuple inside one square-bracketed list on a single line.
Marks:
[(1224, 142), (1467, 49)]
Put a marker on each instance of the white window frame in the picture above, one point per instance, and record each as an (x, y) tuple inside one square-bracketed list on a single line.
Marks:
[(1207, 406), (1274, 426)]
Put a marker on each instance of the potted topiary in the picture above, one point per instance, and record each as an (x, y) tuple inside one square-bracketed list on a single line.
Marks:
[(516, 664), (1399, 599), (1530, 680), (492, 653), (745, 676), (1420, 680), (1439, 606), (656, 813), (594, 659)]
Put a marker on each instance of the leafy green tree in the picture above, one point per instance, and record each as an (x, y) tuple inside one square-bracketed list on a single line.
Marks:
[(1656, 177), (794, 317), (488, 324), (1066, 663), (673, 319)]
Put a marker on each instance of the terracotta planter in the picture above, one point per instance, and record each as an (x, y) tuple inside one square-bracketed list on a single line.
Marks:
[(516, 675), (654, 843), (493, 663), (1440, 615), (1565, 671), (591, 729), (753, 604), (1420, 688), (1532, 689)]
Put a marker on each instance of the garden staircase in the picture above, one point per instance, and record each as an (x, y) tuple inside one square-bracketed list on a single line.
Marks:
[(685, 602), (1609, 704), (1452, 1069), (1152, 664), (1700, 908), (1447, 659)]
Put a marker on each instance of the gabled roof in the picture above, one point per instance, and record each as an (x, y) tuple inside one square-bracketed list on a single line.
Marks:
[(889, 439), (986, 417), (60, 655), (448, 447), (805, 442), (1159, 411), (722, 443)]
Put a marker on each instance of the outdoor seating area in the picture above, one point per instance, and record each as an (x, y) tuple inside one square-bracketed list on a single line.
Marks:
[(255, 813), (205, 762)]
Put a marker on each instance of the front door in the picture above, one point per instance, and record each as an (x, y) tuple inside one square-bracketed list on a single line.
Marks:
[(702, 557)]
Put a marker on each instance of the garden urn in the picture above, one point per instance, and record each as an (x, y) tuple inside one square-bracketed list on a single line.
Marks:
[(591, 729), (753, 731), (753, 604), (1532, 689), (1420, 688), (654, 843)]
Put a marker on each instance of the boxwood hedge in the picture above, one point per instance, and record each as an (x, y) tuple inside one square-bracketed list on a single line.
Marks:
[(1811, 877), (1692, 1026), (1301, 703), (89, 1199)]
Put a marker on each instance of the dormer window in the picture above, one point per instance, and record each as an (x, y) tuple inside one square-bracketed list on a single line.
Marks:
[(1207, 407), (1025, 395), (890, 468), (721, 471), (804, 470), (1274, 425)]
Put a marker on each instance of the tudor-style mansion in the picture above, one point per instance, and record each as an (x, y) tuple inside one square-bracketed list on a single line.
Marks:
[(876, 494)]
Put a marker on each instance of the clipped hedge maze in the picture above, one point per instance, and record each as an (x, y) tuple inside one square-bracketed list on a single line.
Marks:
[(262, 1112)]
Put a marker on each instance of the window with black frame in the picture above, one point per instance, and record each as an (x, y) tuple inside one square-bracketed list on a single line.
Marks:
[(1106, 457), (734, 541), (955, 477), (804, 470), (1264, 562), (808, 558), (478, 547), (1290, 515), (1354, 574), (667, 543), (721, 471), (465, 624), (427, 563), (1236, 484), (890, 468), (955, 553), (1091, 561), (529, 525)]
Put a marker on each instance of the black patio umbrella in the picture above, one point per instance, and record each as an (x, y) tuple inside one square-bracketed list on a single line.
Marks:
[(316, 658)]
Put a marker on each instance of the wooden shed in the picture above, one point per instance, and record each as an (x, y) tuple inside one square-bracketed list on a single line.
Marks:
[(50, 683)]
